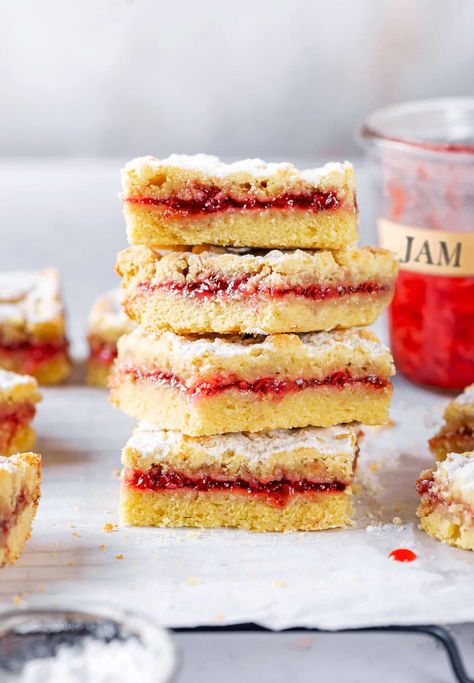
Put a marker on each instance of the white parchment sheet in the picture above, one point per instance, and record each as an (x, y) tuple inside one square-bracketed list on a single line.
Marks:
[(330, 579)]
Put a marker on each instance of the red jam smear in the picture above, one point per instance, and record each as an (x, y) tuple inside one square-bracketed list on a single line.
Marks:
[(211, 199), (216, 286), (11, 418), (432, 329), (103, 352), (32, 355), (403, 555), (277, 493), (7, 524), (262, 386)]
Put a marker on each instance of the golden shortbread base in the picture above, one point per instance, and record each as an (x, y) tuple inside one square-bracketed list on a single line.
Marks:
[(306, 512), (447, 527), (267, 228), (234, 411), (23, 440), (97, 374)]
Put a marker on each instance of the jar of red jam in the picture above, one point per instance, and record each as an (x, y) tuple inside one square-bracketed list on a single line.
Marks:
[(421, 162)]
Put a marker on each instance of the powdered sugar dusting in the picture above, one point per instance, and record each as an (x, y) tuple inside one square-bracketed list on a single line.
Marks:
[(467, 396), (214, 167), (455, 475), (31, 296), (254, 446), (9, 380), (314, 344)]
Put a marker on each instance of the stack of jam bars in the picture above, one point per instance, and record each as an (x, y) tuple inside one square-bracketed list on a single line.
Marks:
[(250, 367)]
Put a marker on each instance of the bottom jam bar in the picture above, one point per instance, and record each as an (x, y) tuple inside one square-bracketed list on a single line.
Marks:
[(281, 480), (457, 433), (20, 480), (446, 510), (18, 397), (107, 323)]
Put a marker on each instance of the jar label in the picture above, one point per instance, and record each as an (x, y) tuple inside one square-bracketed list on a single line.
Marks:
[(422, 250)]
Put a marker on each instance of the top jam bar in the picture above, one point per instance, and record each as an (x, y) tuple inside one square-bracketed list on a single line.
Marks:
[(32, 325), (193, 200)]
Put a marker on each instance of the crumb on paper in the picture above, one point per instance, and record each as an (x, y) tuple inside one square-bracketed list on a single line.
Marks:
[(280, 584), (116, 472), (374, 466), (18, 598), (109, 527), (77, 534), (71, 563), (192, 581), (42, 589), (219, 617), (397, 521), (120, 556), (102, 547)]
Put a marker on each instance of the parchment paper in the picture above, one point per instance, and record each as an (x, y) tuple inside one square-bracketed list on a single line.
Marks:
[(330, 579)]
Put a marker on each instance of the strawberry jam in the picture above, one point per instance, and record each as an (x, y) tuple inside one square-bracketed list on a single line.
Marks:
[(205, 199), (277, 493), (403, 555), (215, 286), (263, 386), (32, 355), (432, 328)]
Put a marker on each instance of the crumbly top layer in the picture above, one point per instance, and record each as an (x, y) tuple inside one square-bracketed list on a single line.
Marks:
[(9, 380), (285, 354), (19, 473), (467, 396), (30, 307), (460, 412), (266, 269), (152, 177), (453, 479), (254, 446), (214, 167), (324, 454), (107, 319)]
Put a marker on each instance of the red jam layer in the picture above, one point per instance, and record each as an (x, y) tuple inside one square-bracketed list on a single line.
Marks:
[(7, 524), (277, 493), (103, 352), (215, 286), (11, 418), (262, 386), (210, 199), (33, 355)]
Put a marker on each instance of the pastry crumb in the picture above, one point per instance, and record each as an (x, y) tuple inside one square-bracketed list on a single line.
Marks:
[(102, 547), (193, 581), (120, 556), (397, 521), (109, 527), (76, 533), (18, 598), (280, 584)]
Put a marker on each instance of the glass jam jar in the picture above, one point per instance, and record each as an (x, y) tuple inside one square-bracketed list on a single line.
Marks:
[(421, 162)]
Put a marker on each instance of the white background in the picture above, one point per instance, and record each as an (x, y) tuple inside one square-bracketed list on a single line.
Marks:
[(268, 78)]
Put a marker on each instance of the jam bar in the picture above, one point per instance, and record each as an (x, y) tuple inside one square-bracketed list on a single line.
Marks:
[(18, 396), (107, 323), (199, 199), (446, 509), (240, 292), (20, 478), (32, 326), (211, 385), (282, 480), (457, 433)]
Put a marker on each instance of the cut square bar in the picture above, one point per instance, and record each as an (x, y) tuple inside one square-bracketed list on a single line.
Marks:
[(457, 433), (32, 325), (201, 200), (212, 385), (243, 291), (283, 480), (20, 480), (446, 510), (18, 396), (107, 323)]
